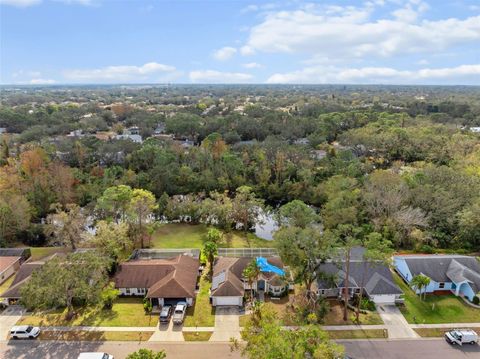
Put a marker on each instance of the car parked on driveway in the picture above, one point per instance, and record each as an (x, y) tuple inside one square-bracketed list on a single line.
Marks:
[(24, 332), (166, 314), (461, 336), (95, 355), (179, 313)]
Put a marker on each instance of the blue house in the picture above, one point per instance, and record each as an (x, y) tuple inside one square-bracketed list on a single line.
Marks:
[(455, 273)]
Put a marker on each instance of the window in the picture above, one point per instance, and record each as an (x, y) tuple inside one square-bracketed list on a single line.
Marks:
[(441, 285), (127, 291)]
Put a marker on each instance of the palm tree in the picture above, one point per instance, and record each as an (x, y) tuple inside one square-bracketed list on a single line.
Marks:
[(251, 273), (210, 250), (421, 282)]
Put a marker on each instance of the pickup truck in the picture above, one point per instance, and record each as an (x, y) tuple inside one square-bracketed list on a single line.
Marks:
[(461, 336), (179, 313)]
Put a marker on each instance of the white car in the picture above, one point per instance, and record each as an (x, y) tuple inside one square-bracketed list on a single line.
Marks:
[(95, 355), (461, 336), (179, 313), (24, 332)]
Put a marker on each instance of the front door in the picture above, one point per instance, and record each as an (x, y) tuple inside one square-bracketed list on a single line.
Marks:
[(261, 285)]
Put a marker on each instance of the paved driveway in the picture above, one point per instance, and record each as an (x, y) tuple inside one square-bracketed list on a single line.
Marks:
[(226, 324), (397, 325), (167, 333), (8, 319)]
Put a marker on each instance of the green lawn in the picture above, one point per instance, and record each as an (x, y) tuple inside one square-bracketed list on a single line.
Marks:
[(126, 312), (335, 316), (182, 235), (201, 314), (82, 335), (435, 308), (197, 336), (437, 332), (357, 334), (42, 252)]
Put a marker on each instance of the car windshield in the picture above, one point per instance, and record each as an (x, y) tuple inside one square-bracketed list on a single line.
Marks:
[(456, 335), (29, 329), (105, 356), (179, 310)]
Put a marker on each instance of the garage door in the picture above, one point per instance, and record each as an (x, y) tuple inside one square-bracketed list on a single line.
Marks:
[(227, 300), (384, 299)]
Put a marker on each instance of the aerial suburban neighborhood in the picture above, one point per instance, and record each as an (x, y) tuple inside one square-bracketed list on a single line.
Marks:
[(239, 179)]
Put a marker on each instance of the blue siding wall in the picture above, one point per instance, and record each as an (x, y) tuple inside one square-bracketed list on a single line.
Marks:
[(467, 291), (402, 268)]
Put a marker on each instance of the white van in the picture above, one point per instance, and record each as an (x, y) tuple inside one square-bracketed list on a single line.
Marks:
[(96, 355), (24, 332), (461, 336)]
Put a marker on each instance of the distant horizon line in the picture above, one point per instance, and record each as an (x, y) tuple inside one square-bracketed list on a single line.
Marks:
[(230, 84)]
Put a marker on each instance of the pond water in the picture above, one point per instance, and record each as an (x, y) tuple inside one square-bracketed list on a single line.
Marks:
[(269, 225)]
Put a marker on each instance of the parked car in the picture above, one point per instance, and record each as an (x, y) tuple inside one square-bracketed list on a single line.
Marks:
[(24, 332), (166, 314), (461, 336), (95, 355), (179, 313)]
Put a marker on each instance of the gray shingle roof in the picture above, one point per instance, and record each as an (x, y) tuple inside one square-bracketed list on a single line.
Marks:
[(440, 268), (377, 277)]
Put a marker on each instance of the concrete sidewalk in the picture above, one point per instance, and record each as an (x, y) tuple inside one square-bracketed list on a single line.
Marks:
[(446, 325), (100, 329)]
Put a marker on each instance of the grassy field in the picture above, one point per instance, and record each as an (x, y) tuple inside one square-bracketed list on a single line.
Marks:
[(197, 336), (42, 252), (201, 314), (182, 235), (435, 308), (126, 312), (357, 334), (437, 332), (82, 335)]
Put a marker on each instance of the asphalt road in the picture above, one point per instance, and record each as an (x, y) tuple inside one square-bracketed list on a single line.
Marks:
[(400, 349), (409, 349), (33, 349)]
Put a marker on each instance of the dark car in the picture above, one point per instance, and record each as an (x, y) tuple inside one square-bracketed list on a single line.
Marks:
[(166, 314)]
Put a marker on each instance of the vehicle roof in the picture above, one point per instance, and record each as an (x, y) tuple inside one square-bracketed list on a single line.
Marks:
[(465, 331), (20, 327), (91, 355)]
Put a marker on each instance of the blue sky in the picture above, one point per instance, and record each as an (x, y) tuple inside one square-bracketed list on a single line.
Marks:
[(179, 41)]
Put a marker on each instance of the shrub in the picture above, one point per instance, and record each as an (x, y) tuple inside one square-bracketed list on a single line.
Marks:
[(147, 306), (476, 300), (367, 304), (427, 249)]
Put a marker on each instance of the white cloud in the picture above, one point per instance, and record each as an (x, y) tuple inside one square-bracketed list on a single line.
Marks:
[(224, 53), (349, 32), (212, 76), (119, 73), (42, 81), (247, 50), (252, 65), (463, 74), (20, 3)]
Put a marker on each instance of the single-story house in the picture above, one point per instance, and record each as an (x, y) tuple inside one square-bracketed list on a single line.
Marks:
[(12, 294), (375, 277), (8, 266), (229, 285), (457, 274), (167, 280)]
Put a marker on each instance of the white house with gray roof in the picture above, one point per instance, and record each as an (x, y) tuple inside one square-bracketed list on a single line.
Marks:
[(457, 274)]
